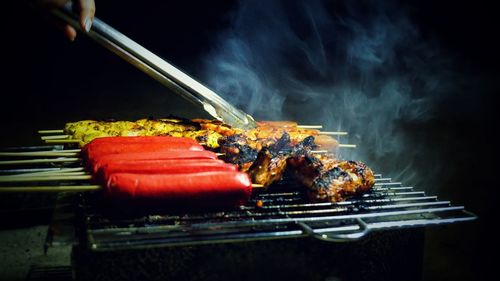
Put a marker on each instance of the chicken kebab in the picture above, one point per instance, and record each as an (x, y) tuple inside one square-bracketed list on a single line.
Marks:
[(208, 132)]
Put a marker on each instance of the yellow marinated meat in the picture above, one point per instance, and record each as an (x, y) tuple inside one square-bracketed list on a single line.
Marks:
[(210, 133)]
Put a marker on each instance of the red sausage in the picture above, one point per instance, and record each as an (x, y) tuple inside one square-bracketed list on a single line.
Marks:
[(221, 188), (98, 161), (91, 150), (165, 167), (151, 139)]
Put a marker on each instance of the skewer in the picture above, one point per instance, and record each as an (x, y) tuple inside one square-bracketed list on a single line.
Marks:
[(319, 151), (347, 145), (44, 178), (82, 173), (63, 188), (62, 172), (39, 161), (64, 137), (74, 159), (310, 126), (38, 153), (51, 131), (55, 137), (63, 141), (333, 133)]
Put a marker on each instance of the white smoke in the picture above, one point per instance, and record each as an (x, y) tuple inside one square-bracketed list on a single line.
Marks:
[(359, 66)]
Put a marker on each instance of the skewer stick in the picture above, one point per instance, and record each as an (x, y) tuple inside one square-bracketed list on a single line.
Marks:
[(347, 145), (61, 188), (64, 171), (82, 173), (55, 137), (334, 133), (310, 126), (43, 178), (319, 151), (38, 153), (39, 161), (61, 177), (51, 131), (63, 141), (62, 150)]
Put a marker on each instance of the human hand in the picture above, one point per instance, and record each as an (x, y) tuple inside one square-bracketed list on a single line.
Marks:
[(85, 8)]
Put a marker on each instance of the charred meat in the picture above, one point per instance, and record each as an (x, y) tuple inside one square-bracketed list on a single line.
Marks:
[(331, 180), (271, 162)]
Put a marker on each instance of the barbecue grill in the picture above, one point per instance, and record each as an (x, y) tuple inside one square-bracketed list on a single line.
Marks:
[(279, 219), (284, 214), (286, 223)]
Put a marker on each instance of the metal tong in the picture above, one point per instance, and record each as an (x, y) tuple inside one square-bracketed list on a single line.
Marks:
[(162, 71)]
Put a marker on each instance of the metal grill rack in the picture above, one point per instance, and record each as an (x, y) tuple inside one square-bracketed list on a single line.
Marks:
[(283, 215)]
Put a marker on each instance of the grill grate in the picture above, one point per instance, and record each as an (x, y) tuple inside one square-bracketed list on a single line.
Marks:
[(283, 215)]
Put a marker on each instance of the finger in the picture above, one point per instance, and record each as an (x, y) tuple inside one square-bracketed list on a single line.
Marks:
[(87, 12), (68, 30)]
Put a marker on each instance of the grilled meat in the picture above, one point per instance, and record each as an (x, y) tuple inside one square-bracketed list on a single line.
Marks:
[(87, 130), (206, 131), (237, 150), (264, 152), (330, 180), (271, 162)]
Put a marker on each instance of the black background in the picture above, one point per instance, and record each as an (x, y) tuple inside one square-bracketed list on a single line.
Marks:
[(47, 81)]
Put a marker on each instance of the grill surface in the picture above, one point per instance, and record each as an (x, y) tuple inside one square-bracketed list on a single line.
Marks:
[(284, 214)]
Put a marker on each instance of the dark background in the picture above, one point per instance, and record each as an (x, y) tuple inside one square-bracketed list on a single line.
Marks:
[(48, 81)]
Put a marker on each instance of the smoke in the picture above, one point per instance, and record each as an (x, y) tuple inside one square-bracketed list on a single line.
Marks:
[(356, 66)]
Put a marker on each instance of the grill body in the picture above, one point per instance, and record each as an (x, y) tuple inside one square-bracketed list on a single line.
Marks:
[(287, 239), (384, 255)]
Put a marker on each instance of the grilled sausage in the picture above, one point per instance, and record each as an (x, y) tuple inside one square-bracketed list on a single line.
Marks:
[(91, 150), (220, 188), (98, 160), (164, 167)]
